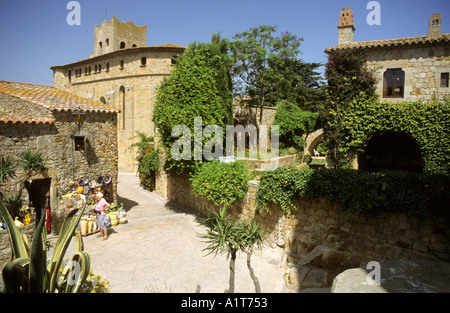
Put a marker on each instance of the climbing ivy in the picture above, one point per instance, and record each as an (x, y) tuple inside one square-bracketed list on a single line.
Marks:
[(428, 123), (355, 192)]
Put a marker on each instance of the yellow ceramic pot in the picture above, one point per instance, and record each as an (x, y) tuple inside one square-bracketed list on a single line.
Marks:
[(84, 226)]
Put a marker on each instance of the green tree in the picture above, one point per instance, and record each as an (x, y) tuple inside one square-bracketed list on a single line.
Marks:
[(293, 123), (303, 85), (199, 86), (267, 69)]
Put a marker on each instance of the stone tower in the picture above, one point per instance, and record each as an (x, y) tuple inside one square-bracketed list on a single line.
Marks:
[(346, 27), (115, 35), (434, 28)]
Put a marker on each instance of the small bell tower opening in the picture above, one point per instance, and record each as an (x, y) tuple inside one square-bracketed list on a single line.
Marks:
[(435, 25)]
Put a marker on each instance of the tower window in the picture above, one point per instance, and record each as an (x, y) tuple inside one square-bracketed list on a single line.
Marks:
[(107, 66), (143, 61), (444, 79), (121, 64), (393, 83), (122, 45), (107, 42)]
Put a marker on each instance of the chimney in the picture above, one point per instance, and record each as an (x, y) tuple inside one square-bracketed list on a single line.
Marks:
[(346, 27), (434, 28)]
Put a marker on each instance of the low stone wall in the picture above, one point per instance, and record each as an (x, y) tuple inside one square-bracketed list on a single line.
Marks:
[(272, 163), (316, 243), (5, 243)]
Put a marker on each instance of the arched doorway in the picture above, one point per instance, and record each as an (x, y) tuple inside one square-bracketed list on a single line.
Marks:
[(391, 152)]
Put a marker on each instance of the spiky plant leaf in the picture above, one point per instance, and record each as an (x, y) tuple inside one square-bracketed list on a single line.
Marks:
[(19, 249)]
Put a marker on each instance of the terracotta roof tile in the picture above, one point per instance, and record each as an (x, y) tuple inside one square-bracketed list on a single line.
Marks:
[(51, 98), (23, 121), (394, 42)]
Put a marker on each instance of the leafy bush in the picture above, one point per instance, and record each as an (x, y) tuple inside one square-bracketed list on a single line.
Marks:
[(222, 183), (147, 167), (282, 186), (355, 192)]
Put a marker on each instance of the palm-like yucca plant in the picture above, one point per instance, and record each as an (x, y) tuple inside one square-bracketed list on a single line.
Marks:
[(28, 272), (252, 236), (221, 237), (226, 235), (7, 169)]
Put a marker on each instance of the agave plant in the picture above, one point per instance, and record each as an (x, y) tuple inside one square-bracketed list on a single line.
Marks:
[(7, 169), (13, 203), (28, 272), (32, 161)]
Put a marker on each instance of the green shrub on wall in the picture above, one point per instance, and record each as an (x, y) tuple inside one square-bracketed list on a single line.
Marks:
[(221, 183), (355, 192)]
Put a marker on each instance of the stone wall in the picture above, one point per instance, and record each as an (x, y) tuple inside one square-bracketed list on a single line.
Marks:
[(422, 65), (248, 114), (316, 243)]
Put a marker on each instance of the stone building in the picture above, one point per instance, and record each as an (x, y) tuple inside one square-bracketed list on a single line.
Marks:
[(409, 68), (123, 73), (43, 119)]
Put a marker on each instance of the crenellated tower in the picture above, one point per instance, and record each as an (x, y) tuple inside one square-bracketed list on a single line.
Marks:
[(115, 35)]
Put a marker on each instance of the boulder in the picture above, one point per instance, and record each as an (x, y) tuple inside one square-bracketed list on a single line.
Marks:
[(403, 276)]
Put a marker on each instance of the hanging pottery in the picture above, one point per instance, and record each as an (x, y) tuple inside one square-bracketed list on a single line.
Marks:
[(107, 179), (92, 184)]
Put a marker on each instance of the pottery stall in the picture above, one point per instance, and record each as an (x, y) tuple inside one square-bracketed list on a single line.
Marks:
[(85, 191)]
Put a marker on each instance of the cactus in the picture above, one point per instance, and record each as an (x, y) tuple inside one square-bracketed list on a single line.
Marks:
[(29, 272)]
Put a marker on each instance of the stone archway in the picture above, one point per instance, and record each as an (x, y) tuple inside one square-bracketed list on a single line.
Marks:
[(391, 151), (312, 140)]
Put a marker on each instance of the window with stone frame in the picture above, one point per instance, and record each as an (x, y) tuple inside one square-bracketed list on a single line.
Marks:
[(394, 83), (444, 80)]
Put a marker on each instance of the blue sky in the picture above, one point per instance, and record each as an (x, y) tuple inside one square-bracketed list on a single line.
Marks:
[(35, 35)]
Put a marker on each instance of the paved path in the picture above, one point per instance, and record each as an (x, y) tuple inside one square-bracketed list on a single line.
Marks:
[(159, 250)]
